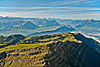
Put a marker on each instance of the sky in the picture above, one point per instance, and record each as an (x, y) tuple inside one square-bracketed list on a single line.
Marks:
[(64, 9)]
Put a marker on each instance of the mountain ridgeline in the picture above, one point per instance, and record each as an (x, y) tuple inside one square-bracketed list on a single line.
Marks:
[(25, 23), (57, 50), (61, 29)]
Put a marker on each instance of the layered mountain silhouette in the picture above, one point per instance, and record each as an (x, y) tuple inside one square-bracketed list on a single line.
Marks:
[(62, 29), (45, 22), (17, 25), (29, 25)]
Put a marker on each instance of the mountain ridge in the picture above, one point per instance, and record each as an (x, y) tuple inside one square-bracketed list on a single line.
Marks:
[(61, 29), (57, 50)]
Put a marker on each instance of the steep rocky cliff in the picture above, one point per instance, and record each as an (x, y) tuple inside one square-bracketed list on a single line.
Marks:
[(71, 54)]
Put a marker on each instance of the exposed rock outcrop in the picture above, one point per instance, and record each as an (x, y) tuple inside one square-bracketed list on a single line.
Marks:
[(71, 54)]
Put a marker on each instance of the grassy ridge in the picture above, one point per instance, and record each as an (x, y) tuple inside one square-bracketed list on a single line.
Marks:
[(33, 52)]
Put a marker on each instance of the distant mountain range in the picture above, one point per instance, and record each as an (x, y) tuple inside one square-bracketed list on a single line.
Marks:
[(45, 22), (61, 29), (13, 25), (25, 23)]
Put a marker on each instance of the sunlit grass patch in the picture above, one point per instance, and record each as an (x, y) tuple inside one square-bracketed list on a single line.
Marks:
[(48, 39), (22, 46)]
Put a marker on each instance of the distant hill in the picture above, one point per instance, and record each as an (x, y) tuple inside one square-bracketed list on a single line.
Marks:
[(62, 29), (29, 25), (11, 40), (50, 23), (44, 22)]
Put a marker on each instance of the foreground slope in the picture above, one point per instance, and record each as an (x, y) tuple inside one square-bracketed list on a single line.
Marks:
[(58, 50)]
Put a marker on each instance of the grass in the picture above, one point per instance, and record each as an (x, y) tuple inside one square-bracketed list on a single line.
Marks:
[(1, 44), (76, 33), (27, 38), (48, 39), (25, 60), (22, 46), (22, 64), (65, 34), (70, 37)]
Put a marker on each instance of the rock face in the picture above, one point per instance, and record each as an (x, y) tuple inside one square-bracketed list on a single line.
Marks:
[(71, 54), (3, 55)]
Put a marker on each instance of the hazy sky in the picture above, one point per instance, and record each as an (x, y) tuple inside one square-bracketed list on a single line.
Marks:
[(67, 9)]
